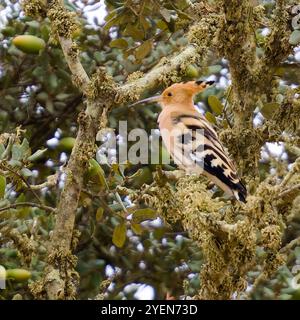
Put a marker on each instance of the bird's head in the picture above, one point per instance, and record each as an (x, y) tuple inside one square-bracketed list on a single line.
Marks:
[(178, 93)]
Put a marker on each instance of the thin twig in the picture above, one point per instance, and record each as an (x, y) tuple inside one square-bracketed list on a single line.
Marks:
[(290, 245), (287, 178), (51, 182), (24, 180), (27, 204), (289, 191)]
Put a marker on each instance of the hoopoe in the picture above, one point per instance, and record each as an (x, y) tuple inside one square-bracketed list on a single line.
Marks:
[(191, 140)]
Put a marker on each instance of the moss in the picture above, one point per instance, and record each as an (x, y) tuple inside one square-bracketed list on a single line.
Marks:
[(169, 78), (75, 239), (134, 76), (162, 198), (35, 8), (63, 22), (102, 289), (60, 279), (201, 9), (271, 237), (228, 235), (77, 81), (202, 33), (295, 211), (287, 117), (73, 52), (64, 272), (102, 86), (132, 93), (22, 243), (244, 147)]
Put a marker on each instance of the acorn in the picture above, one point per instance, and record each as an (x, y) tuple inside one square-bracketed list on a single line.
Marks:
[(18, 274), (29, 43)]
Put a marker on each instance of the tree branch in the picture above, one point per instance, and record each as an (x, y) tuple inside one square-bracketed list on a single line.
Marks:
[(133, 90), (27, 204)]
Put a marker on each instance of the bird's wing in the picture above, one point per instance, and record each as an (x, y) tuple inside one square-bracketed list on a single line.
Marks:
[(197, 148)]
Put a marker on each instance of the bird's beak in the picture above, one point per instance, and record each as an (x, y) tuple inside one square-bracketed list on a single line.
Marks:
[(150, 99)]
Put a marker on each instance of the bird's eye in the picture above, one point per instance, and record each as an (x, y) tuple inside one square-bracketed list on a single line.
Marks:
[(170, 94)]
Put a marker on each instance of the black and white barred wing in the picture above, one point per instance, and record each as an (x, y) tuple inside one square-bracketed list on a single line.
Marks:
[(197, 149)]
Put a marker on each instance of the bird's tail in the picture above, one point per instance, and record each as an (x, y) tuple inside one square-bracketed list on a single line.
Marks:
[(240, 192)]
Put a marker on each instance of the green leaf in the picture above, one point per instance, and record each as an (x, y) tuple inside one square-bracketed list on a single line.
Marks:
[(99, 214), (15, 163), (134, 32), (297, 252), (145, 23), (25, 147), (295, 37), (16, 152), (2, 186), (62, 96), (119, 235), (161, 25), (38, 72), (143, 214), (166, 14), (136, 228), (45, 30), (113, 21), (33, 24), (214, 69), (119, 43), (210, 117), (26, 172), (38, 154), (52, 81), (215, 105), (172, 24), (21, 198), (96, 169), (70, 6), (143, 50), (99, 56), (268, 109), (64, 75)]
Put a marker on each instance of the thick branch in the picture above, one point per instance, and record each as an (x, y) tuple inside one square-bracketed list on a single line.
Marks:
[(60, 278), (75, 66), (133, 90)]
